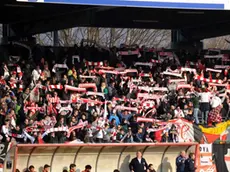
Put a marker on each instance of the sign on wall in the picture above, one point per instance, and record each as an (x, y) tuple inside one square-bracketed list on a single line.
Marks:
[(205, 154)]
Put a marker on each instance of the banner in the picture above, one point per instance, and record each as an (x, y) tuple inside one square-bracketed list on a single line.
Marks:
[(219, 132), (185, 131), (213, 158), (221, 156), (3, 151), (204, 159), (205, 154), (206, 168)]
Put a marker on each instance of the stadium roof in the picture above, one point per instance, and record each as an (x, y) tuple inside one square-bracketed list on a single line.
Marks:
[(31, 18)]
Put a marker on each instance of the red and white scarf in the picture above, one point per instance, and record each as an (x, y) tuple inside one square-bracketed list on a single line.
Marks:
[(183, 86), (213, 70), (149, 96), (76, 89), (90, 93), (143, 64), (89, 63), (214, 56), (152, 120), (145, 75), (58, 87), (172, 74), (183, 69), (56, 66), (208, 80), (221, 66), (127, 53), (177, 80), (218, 85), (148, 104), (155, 61), (13, 83), (126, 108), (88, 85), (88, 77), (168, 54)]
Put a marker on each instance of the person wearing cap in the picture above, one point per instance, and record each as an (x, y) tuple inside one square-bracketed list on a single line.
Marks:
[(72, 168), (87, 168), (46, 168)]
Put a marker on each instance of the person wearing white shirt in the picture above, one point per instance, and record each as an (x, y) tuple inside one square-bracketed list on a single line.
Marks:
[(6, 131), (36, 74), (179, 113), (204, 105)]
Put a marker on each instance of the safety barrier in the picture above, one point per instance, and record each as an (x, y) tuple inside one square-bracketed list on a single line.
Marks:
[(102, 157)]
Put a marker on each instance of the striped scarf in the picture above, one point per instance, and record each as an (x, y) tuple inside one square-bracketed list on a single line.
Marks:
[(89, 63)]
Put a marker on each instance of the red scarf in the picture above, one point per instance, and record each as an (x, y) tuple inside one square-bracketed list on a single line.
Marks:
[(40, 141)]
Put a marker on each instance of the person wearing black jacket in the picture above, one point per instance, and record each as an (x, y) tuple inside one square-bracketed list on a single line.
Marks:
[(180, 162), (138, 164), (189, 163)]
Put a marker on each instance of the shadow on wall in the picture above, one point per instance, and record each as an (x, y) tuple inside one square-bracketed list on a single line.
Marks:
[(125, 164), (40, 169), (165, 166), (65, 168)]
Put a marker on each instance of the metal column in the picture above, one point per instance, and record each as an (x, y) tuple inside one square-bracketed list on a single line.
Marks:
[(55, 39)]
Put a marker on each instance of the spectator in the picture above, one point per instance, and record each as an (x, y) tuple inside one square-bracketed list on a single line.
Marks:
[(173, 134), (195, 101), (31, 169), (87, 168), (180, 162), (190, 164), (151, 169), (100, 103), (46, 168), (72, 168), (204, 104), (138, 164), (116, 170)]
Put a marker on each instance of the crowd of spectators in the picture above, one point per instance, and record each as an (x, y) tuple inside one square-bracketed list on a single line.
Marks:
[(97, 95)]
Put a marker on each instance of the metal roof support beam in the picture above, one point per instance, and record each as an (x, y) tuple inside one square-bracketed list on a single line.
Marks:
[(179, 41), (55, 38)]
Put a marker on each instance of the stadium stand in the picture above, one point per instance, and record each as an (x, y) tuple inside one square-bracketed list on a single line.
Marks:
[(129, 94)]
